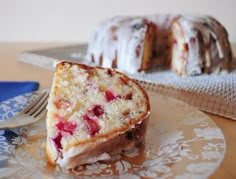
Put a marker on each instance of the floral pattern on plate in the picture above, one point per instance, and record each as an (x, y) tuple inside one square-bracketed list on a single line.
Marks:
[(181, 142)]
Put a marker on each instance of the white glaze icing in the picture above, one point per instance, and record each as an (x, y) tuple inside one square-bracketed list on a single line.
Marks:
[(208, 54), (117, 38)]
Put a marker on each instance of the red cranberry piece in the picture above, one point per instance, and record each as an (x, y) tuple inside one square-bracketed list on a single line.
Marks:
[(109, 72), (98, 110), (57, 141), (175, 42), (66, 127), (128, 96), (90, 117), (192, 40), (92, 126), (86, 117), (109, 95), (138, 50)]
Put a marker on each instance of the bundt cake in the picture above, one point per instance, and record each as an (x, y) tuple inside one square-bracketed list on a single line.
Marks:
[(93, 112), (189, 45)]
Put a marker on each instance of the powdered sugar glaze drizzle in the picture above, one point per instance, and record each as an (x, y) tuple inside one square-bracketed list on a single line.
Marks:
[(119, 38), (203, 45)]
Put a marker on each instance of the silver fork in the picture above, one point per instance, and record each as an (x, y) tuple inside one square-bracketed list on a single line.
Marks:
[(31, 114)]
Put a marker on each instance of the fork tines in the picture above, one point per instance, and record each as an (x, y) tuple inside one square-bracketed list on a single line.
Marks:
[(38, 106)]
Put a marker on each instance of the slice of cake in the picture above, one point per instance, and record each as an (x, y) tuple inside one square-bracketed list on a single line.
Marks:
[(93, 112)]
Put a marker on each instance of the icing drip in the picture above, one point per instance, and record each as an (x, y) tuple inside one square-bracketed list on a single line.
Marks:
[(210, 52), (119, 38), (130, 46), (202, 48)]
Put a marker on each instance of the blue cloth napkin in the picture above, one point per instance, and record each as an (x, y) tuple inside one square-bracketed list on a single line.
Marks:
[(10, 89)]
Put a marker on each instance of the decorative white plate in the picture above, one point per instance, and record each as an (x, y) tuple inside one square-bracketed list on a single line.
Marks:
[(181, 142)]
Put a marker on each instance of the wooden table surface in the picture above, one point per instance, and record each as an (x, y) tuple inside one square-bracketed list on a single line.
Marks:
[(12, 70)]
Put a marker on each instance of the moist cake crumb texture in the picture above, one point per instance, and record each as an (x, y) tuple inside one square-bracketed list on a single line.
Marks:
[(90, 102)]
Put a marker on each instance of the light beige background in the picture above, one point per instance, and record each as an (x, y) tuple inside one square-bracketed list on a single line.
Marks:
[(74, 21)]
